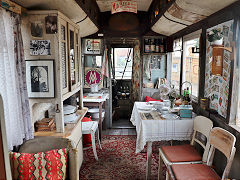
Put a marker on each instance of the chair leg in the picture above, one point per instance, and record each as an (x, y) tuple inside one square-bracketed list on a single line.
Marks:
[(99, 143), (167, 175), (160, 163), (94, 145)]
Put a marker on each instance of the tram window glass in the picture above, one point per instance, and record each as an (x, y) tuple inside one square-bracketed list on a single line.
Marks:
[(191, 65), (120, 61), (176, 68)]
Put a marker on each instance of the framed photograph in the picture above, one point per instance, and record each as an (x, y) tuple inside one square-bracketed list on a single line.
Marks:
[(40, 47), (37, 29), (51, 24), (40, 78)]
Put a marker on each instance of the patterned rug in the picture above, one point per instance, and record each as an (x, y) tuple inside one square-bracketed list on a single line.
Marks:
[(118, 160)]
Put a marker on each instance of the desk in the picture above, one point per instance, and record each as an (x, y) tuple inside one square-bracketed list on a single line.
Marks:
[(149, 131), (96, 102)]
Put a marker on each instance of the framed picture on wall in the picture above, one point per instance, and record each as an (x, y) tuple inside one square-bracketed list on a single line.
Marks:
[(40, 78)]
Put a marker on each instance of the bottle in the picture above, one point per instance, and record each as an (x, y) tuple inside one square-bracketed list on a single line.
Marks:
[(161, 46), (146, 45), (152, 45), (184, 93), (157, 48)]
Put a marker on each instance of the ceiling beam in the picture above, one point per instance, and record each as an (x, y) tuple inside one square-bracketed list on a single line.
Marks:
[(91, 8)]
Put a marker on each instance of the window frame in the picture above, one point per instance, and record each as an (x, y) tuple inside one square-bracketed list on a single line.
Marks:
[(189, 37), (114, 62)]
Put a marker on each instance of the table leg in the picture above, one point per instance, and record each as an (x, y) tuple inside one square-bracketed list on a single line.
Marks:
[(100, 121), (94, 145), (149, 160)]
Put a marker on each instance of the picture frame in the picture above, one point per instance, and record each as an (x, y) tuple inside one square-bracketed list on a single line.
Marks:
[(40, 78), (51, 24)]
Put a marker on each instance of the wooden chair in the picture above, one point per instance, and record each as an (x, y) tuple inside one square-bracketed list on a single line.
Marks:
[(219, 139), (91, 127), (187, 154)]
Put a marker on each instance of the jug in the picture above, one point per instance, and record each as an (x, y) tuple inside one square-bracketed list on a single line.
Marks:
[(94, 88)]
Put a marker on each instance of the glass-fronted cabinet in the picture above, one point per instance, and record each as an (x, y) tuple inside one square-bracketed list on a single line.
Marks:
[(63, 55)]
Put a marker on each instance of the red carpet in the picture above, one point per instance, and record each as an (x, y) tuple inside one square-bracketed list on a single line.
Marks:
[(118, 160)]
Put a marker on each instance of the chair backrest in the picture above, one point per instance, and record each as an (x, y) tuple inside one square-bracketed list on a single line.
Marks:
[(224, 141), (204, 126)]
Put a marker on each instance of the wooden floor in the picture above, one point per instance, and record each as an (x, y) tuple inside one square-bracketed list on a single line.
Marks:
[(119, 131)]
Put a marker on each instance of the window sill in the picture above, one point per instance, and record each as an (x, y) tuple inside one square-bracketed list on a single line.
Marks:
[(237, 128)]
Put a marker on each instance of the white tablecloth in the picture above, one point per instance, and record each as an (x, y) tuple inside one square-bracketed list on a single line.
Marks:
[(158, 130)]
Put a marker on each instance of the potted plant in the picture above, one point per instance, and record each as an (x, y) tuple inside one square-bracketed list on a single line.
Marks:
[(215, 36)]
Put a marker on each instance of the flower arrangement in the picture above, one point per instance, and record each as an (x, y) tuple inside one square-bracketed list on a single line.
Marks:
[(214, 35)]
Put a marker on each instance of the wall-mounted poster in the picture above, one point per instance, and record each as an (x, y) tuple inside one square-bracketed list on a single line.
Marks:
[(37, 29), (51, 24), (40, 78), (93, 76), (92, 46), (39, 47)]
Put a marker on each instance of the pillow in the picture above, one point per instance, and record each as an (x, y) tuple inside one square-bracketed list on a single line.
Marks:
[(43, 165), (151, 99)]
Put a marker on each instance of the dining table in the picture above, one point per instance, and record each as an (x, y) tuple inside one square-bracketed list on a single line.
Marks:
[(152, 125)]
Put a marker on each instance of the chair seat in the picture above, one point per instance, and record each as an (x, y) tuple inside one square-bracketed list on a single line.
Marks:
[(194, 172), (182, 153)]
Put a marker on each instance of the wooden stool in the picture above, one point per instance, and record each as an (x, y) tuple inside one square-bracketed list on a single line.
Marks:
[(91, 127)]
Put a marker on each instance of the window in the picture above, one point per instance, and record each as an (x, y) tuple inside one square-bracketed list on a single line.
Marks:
[(176, 68), (191, 63), (122, 62), (176, 64)]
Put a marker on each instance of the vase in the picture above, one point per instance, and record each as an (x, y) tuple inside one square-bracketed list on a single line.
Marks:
[(218, 42)]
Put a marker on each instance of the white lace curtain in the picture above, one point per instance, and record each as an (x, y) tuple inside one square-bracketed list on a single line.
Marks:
[(13, 82)]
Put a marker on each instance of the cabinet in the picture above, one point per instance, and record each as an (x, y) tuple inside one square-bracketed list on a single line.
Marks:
[(64, 51), (154, 45)]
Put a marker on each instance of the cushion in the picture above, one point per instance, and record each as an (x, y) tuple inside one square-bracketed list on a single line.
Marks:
[(87, 141), (43, 165), (181, 153), (151, 99), (198, 171)]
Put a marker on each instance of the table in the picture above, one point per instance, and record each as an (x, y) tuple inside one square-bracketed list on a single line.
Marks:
[(158, 129), (97, 102)]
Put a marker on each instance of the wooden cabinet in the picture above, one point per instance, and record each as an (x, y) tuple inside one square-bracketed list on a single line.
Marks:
[(64, 51)]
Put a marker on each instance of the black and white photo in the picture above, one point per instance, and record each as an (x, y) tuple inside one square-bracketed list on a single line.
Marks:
[(37, 29), (40, 47), (51, 24), (40, 78)]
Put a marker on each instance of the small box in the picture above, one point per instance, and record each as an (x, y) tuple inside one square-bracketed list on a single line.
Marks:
[(185, 111)]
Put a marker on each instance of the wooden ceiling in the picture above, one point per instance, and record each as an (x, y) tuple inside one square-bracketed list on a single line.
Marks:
[(106, 5)]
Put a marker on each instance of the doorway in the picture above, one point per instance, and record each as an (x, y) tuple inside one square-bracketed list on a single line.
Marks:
[(121, 75)]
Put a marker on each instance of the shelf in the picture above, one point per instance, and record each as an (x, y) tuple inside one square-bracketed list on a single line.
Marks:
[(68, 128), (164, 53), (230, 49), (69, 94)]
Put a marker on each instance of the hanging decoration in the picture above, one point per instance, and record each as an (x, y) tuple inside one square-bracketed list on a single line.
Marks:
[(124, 6), (93, 76)]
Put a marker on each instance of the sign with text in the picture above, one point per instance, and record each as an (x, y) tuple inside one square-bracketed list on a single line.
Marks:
[(92, 46), (124, 6)]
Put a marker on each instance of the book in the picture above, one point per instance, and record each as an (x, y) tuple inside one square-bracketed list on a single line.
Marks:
[(45, 121)]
